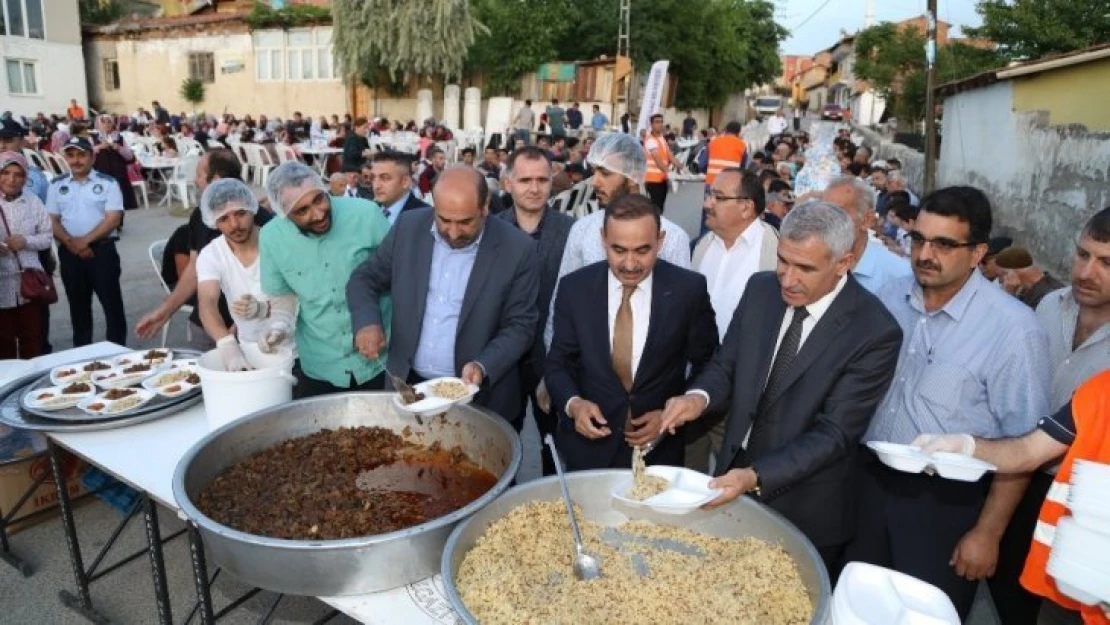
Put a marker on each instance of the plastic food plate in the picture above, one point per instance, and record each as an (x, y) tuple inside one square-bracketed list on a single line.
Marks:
[(99, 405), (158, 357), (909, 459), (171, 382), (687, 491), (51, 398), (868, 594), (116, 378), (77, 372), (433, 404)]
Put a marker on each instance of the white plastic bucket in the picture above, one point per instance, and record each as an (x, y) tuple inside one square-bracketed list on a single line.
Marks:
[(229, 395)]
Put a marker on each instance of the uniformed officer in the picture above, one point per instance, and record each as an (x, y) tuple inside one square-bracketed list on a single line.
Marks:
[(86, 208)]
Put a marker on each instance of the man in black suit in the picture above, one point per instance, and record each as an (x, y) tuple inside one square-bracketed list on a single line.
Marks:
[(463, 291), (625, 331), (392, 172), (806, 359), (529, 183)]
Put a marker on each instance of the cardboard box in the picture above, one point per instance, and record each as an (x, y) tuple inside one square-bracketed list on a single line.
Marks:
[(21, 467)]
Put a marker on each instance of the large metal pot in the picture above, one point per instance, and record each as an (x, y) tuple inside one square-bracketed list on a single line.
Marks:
[(348, 566), (591, 491)]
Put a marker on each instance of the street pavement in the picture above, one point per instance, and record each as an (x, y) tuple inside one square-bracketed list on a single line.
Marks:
[(126, 595)]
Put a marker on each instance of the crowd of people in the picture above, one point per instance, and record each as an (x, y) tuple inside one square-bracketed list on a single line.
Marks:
[(823, 306)]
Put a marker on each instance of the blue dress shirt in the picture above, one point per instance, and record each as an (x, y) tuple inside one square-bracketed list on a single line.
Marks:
[(395, 209), (435, 352)]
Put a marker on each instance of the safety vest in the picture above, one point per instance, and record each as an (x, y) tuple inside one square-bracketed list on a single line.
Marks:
[(654, 174), (724, 151), (1090, 407)]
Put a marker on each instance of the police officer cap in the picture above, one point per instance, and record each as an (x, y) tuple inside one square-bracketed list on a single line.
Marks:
[(79, 143), (10, 129)]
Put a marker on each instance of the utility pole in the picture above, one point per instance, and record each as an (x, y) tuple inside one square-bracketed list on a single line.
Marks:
[(624, 57), (930, 100)]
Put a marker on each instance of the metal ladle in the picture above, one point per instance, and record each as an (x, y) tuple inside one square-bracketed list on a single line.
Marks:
[(586, 564)]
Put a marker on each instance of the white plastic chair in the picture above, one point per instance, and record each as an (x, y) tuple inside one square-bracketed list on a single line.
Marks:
[(260, 161), (38, 161), (155, 252), (140, 187), (286, 153), (182, 180), (57, 163)]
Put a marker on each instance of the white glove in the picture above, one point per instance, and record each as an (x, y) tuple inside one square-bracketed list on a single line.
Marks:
[(231, 355), (272, 336), (247, 307), (963, 444)]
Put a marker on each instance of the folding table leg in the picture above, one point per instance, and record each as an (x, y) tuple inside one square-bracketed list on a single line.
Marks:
[(157, 563), (200, 576), (82, 603)]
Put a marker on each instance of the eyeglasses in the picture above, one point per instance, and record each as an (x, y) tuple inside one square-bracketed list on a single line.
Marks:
[(940, 244)]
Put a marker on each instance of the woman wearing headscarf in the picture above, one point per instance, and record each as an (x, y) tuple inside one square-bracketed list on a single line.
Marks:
[(24, 231)]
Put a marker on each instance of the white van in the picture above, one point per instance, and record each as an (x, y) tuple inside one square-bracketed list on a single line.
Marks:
[(766, 106)]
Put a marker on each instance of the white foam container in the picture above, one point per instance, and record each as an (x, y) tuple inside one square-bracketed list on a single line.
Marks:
[(687, 490), (872, 595), (229, 395)]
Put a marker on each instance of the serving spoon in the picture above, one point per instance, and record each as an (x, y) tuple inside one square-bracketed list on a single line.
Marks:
[(586, 564)]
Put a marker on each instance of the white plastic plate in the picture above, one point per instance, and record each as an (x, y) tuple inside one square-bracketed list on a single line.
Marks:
[(959, 467), (77, 372), (158, 357), (900, 457), (51, 398), (171, 383), (909, 459), (100, 406), (432, 404), (687, 490), (116, 378)]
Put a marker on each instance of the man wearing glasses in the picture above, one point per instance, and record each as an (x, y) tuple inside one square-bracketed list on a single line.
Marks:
[(738, 245), (973, 360)]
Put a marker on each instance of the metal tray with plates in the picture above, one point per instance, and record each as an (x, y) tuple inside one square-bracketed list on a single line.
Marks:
[(14, 414)]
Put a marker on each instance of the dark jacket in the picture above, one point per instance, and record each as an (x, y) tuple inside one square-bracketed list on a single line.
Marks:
[(682, 330), (803, 444)]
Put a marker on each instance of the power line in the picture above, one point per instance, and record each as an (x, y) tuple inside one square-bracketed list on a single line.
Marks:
[(813, 15)]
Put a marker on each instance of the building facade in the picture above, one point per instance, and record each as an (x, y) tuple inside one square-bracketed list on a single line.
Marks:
[(40, 42)]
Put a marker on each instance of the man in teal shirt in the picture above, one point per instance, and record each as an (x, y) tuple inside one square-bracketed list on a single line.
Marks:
[(307, 259)]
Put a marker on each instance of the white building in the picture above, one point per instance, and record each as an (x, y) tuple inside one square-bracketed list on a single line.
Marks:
[(40, 43)]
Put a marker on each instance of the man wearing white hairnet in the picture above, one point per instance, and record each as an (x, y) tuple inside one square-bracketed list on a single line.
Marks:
[(310, 254), (230, 265), (619, 164)]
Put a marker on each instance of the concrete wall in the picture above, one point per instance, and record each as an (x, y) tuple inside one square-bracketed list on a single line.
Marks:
[(913, 162), (60, 69), (1044, 181), (1072, 95)]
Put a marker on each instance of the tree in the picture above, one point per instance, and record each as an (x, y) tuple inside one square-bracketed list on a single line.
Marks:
[(100, 11), (892, 59), (192, 91), (1030, 29), (429, 38), (522, 36)]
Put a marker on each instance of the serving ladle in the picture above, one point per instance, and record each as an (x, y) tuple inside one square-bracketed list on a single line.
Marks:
[(586, 564)]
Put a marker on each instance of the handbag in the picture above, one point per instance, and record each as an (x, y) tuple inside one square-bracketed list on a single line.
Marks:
[(34, 284)]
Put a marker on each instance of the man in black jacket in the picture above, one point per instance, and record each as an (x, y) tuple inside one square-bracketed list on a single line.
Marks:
[(807, 358)]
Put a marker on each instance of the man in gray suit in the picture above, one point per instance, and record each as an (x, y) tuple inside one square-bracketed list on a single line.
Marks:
[(529, 183), (464, 294)]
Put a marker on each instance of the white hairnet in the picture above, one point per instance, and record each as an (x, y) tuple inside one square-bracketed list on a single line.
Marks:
[(619, 153), (288, 183), (224, 196)]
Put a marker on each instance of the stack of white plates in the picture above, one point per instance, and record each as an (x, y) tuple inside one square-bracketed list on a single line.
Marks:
[(1080, 560), (872, 595)]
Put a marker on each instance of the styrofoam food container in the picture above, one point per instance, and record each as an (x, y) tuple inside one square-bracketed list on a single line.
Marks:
[(57, 400), (687, 490), (900, 457), (960, 467), (229, 395), (165, 385), (162, 357), (872, 595), (1089, 466), (116, 378), (432, 404), (1076, 540), (109, 405), (1078, 581)]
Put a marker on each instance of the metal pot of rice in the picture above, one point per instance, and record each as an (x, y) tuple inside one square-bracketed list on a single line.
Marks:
[(741, 563), (294, 498)]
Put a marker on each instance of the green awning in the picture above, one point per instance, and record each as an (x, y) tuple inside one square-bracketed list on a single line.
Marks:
[(556, 72)]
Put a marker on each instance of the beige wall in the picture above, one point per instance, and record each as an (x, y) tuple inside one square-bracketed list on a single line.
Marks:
[(154, 69), (1071, 95)]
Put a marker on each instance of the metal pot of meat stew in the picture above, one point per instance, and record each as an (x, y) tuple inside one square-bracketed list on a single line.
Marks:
[(592, 492), (345, 566)]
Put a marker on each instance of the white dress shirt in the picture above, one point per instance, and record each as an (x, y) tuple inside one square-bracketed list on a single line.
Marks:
[(727, 270), (640, 301)]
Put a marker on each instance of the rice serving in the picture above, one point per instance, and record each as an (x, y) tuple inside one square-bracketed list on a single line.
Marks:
[(687, 577), (449, 389), (644, 485)]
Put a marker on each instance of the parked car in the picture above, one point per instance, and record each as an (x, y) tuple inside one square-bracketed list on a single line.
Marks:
[(766, 106), (832, 112)]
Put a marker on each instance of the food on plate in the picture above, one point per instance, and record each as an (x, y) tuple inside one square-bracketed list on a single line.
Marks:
[(173, 388), (97, 365), (417, 396), (644, 485), (155, 354), (42, 396), (65, 373), (449, 389), (193, 379), (342, 483), (96, 406), (76, 387), (118, 393), (126, 403), (651, 574), (141, 367), (173, 377)]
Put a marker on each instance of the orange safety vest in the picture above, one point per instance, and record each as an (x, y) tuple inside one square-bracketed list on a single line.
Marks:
[(1090, 407), (724, 151), (654, 174)]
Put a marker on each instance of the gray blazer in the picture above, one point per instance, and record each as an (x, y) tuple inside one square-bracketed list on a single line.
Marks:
[(553, 240), (497, 323)]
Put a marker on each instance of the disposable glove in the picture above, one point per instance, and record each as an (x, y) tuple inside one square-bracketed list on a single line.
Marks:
[(247, 307), (274, 334), (231, 355)]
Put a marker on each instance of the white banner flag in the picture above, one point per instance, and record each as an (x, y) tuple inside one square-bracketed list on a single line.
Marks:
[(653, 95)]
